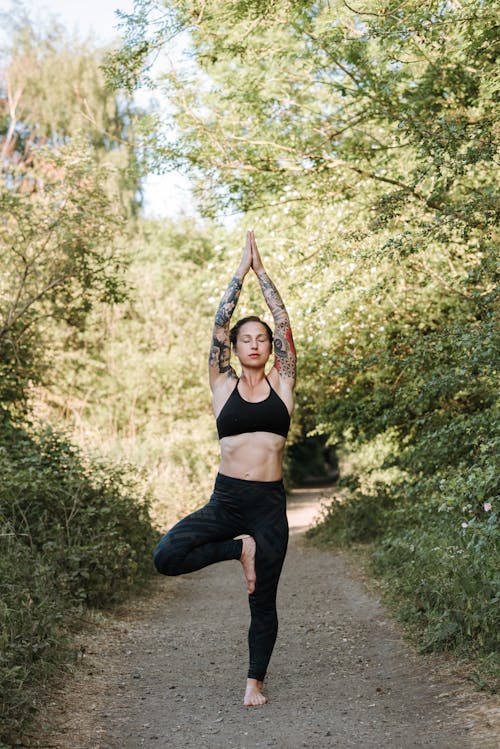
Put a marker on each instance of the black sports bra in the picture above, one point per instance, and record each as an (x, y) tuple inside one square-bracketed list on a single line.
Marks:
[(239, 416)]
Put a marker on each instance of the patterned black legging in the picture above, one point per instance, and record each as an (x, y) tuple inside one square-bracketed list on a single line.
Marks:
[(206, 536)]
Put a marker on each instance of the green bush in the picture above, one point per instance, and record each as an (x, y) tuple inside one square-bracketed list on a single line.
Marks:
[(445, 579), (434, 541), (74, 532), (34, 635)]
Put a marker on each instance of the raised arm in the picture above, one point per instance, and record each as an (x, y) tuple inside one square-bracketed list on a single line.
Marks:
[(219, 367), (285, 357)]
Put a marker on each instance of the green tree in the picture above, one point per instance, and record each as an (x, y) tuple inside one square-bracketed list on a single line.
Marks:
[(69, 178), (52, 88), (57, 257)]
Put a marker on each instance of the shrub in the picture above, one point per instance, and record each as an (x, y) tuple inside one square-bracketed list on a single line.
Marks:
[(75, 532), (445, 580)]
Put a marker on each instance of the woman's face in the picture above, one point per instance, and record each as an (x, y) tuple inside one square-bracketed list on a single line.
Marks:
[(253, 346)]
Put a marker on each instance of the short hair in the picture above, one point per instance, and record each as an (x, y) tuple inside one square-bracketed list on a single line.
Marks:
[(233, 333)]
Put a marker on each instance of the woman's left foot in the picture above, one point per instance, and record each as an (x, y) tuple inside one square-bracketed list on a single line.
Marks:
[(253, 694)]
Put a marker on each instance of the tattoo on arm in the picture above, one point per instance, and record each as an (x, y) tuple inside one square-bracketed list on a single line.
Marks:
[(228, 303), (284, 349), (220, 350), (272, 297)]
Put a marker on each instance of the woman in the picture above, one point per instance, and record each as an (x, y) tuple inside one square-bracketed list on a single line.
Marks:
[(253, 418)]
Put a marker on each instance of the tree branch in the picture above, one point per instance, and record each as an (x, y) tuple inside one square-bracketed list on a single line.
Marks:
[(14, 318), (13, 101)]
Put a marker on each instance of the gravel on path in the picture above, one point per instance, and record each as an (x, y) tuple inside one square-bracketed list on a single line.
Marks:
[(169, 672)]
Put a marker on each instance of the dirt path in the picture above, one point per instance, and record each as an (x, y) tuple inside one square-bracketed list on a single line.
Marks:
[(170, 672)]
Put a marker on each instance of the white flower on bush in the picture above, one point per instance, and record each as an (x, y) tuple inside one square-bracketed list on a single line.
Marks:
[(487, 506)]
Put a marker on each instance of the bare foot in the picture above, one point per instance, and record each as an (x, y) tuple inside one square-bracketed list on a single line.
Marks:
[(253, 694), (247, 560)]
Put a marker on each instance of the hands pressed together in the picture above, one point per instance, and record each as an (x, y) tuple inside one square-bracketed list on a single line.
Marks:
[(251, 257)]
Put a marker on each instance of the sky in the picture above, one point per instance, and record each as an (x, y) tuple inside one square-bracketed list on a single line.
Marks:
[(86, 16), (166, 195)]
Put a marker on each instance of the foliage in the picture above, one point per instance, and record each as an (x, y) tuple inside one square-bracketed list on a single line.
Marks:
[(53, 89), (74, 532), (69, 176), (447, 580), (57, 258), (319, 100), (361, 143)]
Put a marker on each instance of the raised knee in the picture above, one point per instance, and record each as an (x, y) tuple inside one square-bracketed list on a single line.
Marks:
[(165, 561)]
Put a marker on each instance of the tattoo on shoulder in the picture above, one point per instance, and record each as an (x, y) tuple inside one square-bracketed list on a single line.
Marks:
[(220, 356)]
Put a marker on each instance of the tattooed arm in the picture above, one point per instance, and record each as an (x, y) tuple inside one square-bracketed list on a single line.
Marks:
[(285, 357), (219, 365)]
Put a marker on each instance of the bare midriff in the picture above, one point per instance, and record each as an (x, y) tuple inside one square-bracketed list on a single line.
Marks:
[(254, 456)]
